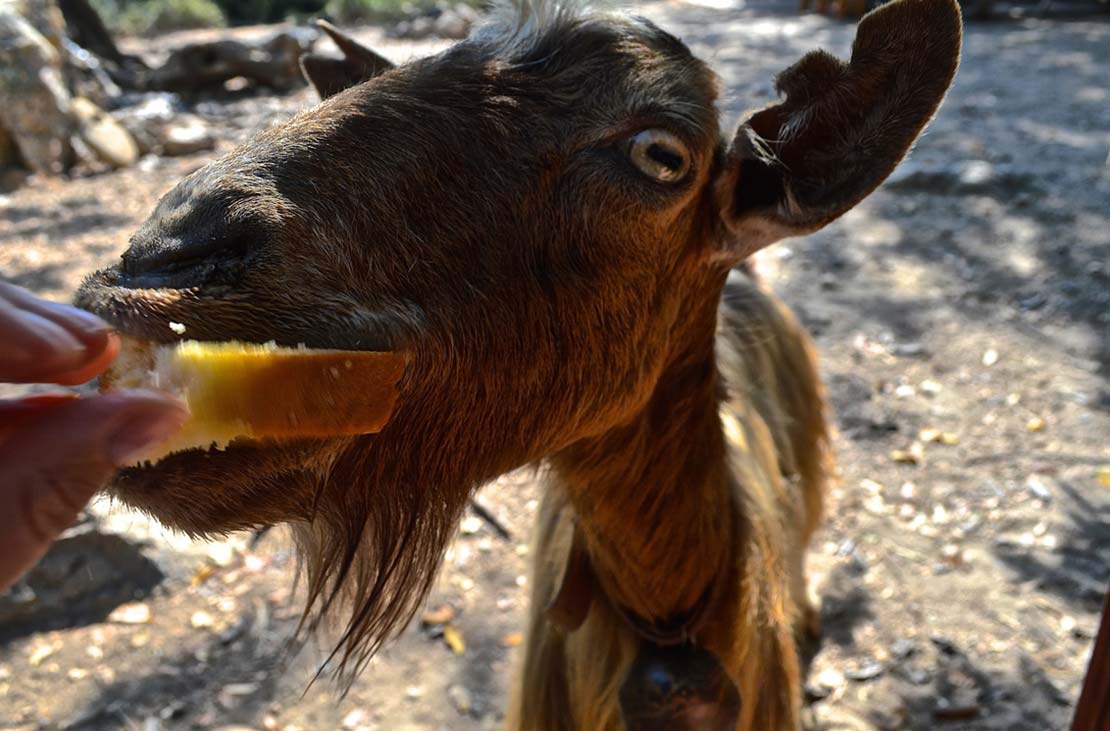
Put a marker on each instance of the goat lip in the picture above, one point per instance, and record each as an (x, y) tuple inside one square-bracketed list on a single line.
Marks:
[(217, 268)]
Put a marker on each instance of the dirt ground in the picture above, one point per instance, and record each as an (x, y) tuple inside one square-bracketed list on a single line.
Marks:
[(962, 315)]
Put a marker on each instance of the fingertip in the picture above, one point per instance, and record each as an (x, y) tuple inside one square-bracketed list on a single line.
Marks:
[(100, 359)]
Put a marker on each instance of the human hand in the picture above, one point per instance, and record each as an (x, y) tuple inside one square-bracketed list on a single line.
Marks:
[(56, 450)]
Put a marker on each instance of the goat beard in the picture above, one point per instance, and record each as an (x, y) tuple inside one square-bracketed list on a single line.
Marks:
[(385, 515)]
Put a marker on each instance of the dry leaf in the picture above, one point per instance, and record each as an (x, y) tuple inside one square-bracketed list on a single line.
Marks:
[(133, 613), (913, 455), (929, 435), (513, 639), (202, 574), (453, 636), (1034, 424), (443, 615), (949, 438)]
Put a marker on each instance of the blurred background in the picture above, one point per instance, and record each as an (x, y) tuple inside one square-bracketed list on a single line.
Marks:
[(962, 315)]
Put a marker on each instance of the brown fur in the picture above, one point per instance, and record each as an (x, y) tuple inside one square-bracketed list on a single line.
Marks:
[(480, 210)]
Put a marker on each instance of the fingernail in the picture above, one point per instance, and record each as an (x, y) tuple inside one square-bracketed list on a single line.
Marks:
[(85, 325), (138, 436), (40, 343)]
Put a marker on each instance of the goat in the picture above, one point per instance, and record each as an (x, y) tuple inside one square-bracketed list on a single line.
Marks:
[(547, 217)]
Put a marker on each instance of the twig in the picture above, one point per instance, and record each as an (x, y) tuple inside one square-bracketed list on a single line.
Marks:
[(485, 514)]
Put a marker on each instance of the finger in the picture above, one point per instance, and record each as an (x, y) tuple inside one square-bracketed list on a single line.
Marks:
[(89, 329), (53, 464), (16, 413), (91, 368), (46, 342)]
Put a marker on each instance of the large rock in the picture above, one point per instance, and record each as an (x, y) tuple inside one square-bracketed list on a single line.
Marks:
[(106, 137), (160, 126), (84, 575), (208, 65), (35, 107)]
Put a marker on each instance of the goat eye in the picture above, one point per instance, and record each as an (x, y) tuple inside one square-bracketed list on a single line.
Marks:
[(659, 155)]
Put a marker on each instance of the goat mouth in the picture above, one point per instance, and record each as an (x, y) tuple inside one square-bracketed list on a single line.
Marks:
[(225, 269), (220, 312)]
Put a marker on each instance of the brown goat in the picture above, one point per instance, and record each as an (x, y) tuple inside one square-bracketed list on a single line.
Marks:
[(546, 217)]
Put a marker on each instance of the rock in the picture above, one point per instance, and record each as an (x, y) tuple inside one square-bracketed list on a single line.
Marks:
[(355, 719), (106, 137), (84, 575), (187, 135), (461, 699), (451, 25), (34, 101), (210, 64), (867, 671), (134, 613), (902, 648), (146, 115), (824, 684)]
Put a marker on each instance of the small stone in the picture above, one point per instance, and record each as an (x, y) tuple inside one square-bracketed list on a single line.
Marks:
[(868, 671), (908, 348), (442, 615), (902, 648), (990, 357), (177, 328), (355, 718), (1038, 488), (221, 554), (40, 653), (470, 525), (829, 679), (187, 136), (461, 699), (512, 639), (1035, 424), (930, 387), (201, 620), (106, 137), (132, 613)]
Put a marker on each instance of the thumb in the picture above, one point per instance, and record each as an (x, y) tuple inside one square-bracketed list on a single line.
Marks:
[(52, 465)]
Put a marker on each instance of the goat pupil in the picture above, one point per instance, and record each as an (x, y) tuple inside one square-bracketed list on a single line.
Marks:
[(664, 156)]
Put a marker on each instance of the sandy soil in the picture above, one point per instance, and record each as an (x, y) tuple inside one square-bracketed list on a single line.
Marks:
[(970, 296)]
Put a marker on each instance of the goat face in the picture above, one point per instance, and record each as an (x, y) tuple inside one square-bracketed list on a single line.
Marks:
[(532, 214)]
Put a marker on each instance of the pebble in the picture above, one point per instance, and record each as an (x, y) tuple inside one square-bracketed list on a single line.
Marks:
[(461, 699), (133, 613), (355, 718), (868, 671)]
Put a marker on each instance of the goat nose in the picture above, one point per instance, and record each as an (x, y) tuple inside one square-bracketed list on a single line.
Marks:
[(192, 247)]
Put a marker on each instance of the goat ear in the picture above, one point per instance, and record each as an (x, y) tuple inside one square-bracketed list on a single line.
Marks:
[(841, 128), (332, 75)]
